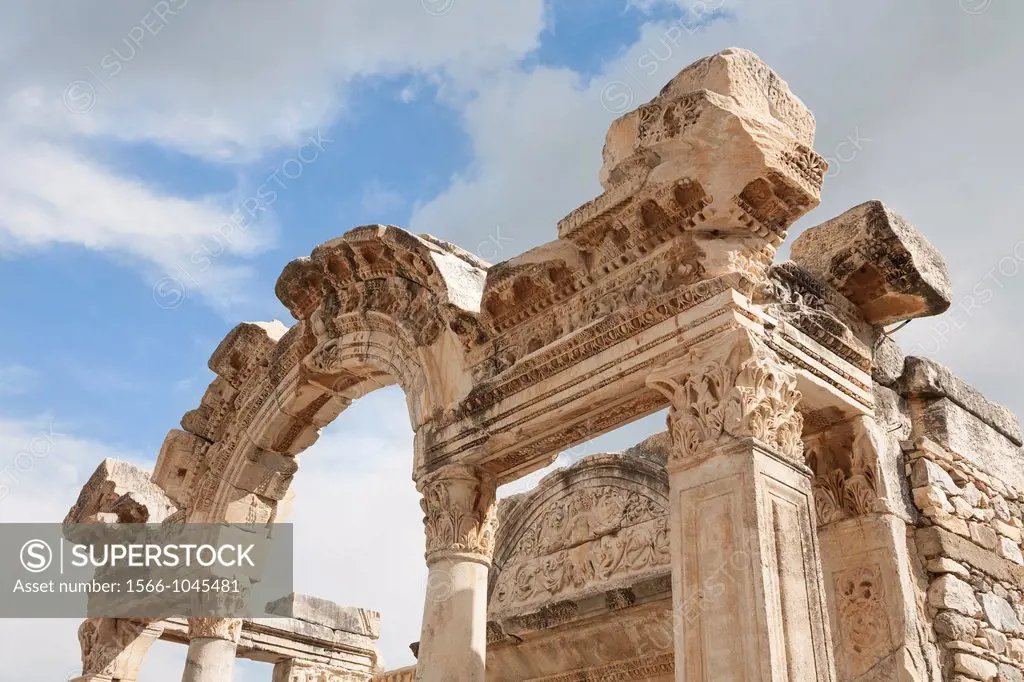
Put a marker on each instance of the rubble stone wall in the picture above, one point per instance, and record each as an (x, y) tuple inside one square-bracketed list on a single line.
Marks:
[(968, 536)]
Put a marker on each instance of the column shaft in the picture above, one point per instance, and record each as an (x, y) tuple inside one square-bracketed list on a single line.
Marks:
[(212, 646), (460, 520)]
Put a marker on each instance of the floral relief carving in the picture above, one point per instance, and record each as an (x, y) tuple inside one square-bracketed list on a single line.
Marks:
[(844, 461), (228, 629), (460, 513), (742, 393), (863, 620)]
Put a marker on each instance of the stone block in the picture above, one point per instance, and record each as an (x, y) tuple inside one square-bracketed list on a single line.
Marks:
[(728, 105), (1007, 673), (975, 668), (1008, 549), (946, 565), (120, 491), (180, 451), (960, 432), (949, 592), (935, 542), (927, 379), (1000, 614), (243, 349), (983, 535), (995, 639), (323, 612), (955, 626), (887, 362), (926, 473), (880, 262)]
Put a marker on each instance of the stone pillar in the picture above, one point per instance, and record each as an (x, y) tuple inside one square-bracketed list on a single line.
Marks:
[(879, 629), (114, 648), (212, 644), (748, 600), (460, 519)]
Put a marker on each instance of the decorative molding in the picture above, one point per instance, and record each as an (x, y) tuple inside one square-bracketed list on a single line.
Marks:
[(638, 669), (460, 513), (741, 390), (228, 629)]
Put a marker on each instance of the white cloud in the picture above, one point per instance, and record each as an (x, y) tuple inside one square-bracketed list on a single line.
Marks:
[(926, 84), (223, 82), (233, 78)]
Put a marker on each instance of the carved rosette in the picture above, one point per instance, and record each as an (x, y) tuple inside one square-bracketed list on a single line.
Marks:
[(460, 513), (731, 392), (228, 629)]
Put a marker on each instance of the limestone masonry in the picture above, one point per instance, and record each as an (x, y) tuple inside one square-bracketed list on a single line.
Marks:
[(821, 508)]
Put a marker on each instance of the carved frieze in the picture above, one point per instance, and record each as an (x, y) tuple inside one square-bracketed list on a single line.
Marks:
[(630, 551), (741, 391)]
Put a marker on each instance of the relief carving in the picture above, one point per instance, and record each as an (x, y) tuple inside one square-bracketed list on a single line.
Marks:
[(228, 629), (628, 552), (863, 620), (742, 392), (109, 645), (589, 537), (844, 461), (460, 512)]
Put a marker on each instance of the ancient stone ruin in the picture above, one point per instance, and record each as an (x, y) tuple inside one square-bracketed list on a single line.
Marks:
[(821, 508)]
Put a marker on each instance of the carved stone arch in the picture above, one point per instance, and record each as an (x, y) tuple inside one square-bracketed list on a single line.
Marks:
[(375, 307), (596, 526)]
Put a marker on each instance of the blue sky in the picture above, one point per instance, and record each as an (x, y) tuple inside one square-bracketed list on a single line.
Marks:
[(481, 124)]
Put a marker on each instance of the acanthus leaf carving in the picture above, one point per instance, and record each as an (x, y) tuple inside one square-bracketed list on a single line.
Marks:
[(844, 461), (460, 512), (744, 393)]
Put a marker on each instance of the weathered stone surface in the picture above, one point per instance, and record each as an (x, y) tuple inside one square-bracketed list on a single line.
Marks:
[(927, 379), (949, 592), (1000, 614), (180, 452), (878, 261), (327, 613), (975, 668), (122, 490), (955, 626), (734, 105), (1008, 673), (960, 432), (933, 542), (888, 361), (926, 473)]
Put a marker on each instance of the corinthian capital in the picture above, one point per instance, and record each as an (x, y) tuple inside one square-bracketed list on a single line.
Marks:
[(228, 629), (734, 390), (460, 513)]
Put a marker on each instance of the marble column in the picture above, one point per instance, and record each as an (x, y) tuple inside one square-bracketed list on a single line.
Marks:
[(212, 644), (748, 600), (460, 520)]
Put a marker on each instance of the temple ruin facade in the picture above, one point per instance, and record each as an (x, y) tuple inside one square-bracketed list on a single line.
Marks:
[(820, 509)]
